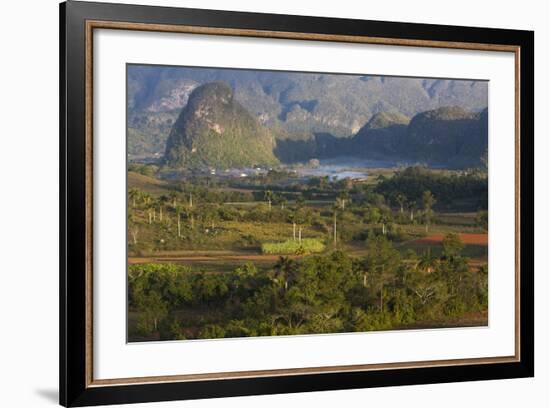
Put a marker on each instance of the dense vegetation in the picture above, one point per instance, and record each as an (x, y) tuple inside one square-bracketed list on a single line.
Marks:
[(455, 190), (272, 254), (319, 294), (215, 130)]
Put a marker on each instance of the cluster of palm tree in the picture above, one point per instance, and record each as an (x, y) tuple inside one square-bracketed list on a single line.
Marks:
[(161, 209), (427, 213)]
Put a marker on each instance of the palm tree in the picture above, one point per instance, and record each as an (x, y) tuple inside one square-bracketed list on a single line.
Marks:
[(427, 262), (412, 207), (285, 270), (268, 196), (292, 218), (162, 202), (401, 200), (178, 217), (146, 197), (150, 209), (133, 194), (342, 199), (282, 202), (383, 221), (334, 216), (174, 198), (428, 200), (133, 228)]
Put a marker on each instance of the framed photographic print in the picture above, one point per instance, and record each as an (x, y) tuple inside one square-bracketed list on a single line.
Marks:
[(255, 203)]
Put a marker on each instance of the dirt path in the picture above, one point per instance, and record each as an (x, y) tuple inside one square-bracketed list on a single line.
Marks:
[(206, 258)]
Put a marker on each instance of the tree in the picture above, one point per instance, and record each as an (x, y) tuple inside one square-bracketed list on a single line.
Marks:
[(146, 197), (268, 196), (134, 195), (412, 207), (174, 198), (152, 310), (150, 209), (482, 220), (342, 199), (281, 201), (300, 201), (210, 214), (381, 263), (452, 245), (292, 218), (384, 221), (163, 199), (334, 216), (178, 218), (285, 270), (427, 262), (401, 199), (133, 228), (428, 200)]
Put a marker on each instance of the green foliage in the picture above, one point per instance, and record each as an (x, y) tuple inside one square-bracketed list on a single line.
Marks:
[(469, 188), (294, 247), (215, 130), (317, 294), (482, 219), (452, 245), (144, 169)]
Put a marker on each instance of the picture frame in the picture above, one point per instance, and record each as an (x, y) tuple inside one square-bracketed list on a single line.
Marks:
[(79, 21)]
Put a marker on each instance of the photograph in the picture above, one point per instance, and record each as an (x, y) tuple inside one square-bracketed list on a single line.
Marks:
[(253, 204), (286, 203)]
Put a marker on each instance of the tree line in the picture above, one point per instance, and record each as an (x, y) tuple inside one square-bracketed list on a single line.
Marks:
[(317, 294)]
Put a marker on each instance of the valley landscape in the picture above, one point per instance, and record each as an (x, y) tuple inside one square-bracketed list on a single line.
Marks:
[(265, 203)]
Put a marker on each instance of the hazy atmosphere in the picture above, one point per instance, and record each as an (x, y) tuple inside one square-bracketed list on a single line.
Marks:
[(266, 203)]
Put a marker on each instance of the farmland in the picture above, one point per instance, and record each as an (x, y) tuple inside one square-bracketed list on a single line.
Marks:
[(280, 253)]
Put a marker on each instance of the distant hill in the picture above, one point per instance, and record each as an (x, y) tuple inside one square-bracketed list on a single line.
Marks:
[(448, 136), (215, 130), (381, 136), (293, 106)]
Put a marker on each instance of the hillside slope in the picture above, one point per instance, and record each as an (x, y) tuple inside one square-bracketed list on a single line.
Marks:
[(215, 130)]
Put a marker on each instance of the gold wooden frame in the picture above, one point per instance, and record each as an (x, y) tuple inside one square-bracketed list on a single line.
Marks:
[(116, 25)]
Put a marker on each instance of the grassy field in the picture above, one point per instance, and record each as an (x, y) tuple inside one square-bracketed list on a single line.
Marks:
[(209, 246)]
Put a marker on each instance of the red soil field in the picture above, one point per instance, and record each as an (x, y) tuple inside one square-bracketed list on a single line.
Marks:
[(467, 239)]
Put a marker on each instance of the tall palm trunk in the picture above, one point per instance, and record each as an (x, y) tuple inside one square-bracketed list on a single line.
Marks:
[(334, 228)]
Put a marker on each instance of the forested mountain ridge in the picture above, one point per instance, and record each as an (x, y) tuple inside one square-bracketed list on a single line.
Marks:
[(293, 106), (448, 136)]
